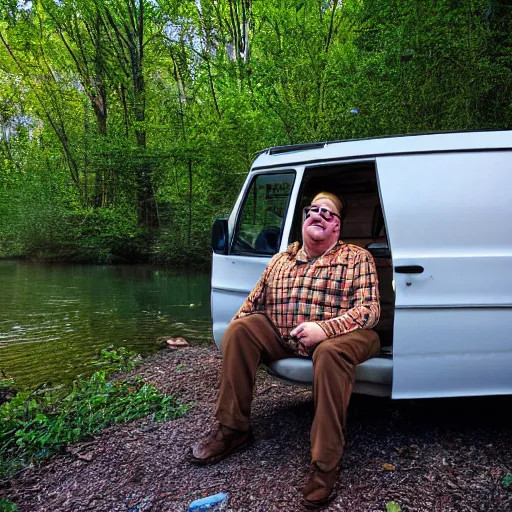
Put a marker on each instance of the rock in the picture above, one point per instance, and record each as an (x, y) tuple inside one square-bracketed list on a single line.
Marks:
[(85, 456), (174, 343)]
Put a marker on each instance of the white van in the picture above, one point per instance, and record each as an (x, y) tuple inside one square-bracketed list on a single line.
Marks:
[(436, 213)]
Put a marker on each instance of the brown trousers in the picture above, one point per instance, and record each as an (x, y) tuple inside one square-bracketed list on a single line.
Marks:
[(252, 340)]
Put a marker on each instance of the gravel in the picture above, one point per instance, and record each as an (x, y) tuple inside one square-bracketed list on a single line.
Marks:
[(425, 455)]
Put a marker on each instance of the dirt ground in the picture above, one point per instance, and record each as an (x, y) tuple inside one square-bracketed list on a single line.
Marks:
[(430, 455)]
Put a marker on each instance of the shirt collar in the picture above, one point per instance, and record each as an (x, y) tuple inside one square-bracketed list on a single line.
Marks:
[(325, 259)]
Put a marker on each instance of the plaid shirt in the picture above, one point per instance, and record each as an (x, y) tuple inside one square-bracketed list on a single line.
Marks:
[(338, 291)]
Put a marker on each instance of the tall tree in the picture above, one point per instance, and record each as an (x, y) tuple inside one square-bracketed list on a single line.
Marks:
[(80, 27), (129, 32)]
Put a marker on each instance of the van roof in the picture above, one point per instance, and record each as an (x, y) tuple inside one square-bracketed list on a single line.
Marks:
[(395, 145)]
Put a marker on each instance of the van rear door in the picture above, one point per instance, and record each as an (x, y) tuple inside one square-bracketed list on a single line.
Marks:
[(448, 222)]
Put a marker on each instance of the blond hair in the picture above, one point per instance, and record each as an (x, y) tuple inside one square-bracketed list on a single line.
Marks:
[(333, 198)]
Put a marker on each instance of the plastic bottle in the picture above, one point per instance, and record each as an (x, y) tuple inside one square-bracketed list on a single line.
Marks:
[(216, 502)]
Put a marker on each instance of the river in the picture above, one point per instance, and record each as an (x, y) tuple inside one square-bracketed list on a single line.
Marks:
[(54, 319)]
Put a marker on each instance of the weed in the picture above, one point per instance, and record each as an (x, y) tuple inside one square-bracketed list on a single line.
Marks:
[(34, 425), (7, 506)]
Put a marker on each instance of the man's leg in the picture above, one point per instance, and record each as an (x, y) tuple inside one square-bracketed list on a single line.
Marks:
[(334, 363), (247, 342)]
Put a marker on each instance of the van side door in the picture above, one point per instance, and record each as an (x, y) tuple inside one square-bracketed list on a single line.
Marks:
[(448, 222)]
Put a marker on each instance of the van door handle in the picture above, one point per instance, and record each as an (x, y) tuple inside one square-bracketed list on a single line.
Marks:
[(409, 269)]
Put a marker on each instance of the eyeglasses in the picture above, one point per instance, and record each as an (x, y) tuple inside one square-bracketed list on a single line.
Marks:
[(325, 213)]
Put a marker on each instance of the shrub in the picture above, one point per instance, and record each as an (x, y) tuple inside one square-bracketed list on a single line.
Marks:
[(34, 425)]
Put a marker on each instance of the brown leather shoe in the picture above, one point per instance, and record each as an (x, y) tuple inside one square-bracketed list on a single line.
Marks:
[(321, 487), (218, 446)]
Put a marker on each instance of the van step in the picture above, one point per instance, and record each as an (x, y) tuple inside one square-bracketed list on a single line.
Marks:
[(378, 370)]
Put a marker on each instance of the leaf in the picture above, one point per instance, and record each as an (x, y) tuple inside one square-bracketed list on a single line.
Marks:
[(388, 467), (392, 506), (507, 481)]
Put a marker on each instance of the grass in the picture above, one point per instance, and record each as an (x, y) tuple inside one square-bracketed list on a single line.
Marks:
[(37, 424)]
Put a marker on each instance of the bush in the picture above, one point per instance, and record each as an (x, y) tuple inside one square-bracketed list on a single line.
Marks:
[(7, 506), (106, 235), (93, 235), (173, 246), (34, 425)]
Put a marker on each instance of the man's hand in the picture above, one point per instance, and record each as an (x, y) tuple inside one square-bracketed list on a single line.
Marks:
[(309, 334)]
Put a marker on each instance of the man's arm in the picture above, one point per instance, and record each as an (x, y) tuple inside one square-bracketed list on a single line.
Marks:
[(366, 310)]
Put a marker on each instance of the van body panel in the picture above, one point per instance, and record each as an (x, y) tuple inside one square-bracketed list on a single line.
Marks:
[(233, 277), (449, 213), (453, 280), (454, 352)]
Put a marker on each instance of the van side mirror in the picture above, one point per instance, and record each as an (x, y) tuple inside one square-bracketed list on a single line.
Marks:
[(220, 236)]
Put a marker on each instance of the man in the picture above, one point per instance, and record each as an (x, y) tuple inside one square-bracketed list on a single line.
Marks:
[(319, 300)]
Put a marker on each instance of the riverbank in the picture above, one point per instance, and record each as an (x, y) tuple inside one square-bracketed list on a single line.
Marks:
[(425, 455)]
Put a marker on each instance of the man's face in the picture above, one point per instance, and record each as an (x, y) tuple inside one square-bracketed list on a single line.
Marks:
[(317, 229)]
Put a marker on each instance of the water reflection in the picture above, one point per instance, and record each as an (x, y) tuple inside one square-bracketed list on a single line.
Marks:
[(55, 318)]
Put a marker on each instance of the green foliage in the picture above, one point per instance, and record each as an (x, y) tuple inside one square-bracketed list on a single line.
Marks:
[(392, 506), (121, 144), (104, 235), (176, 245), (6, 381), (34, 425), (7, 390), (43, 223), (117, 359), (7, 506)]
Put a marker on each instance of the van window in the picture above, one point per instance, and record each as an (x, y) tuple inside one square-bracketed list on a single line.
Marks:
[(262, 214)]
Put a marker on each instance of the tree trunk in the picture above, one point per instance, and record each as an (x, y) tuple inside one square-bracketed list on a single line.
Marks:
[(129, 38), (190, 189)]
